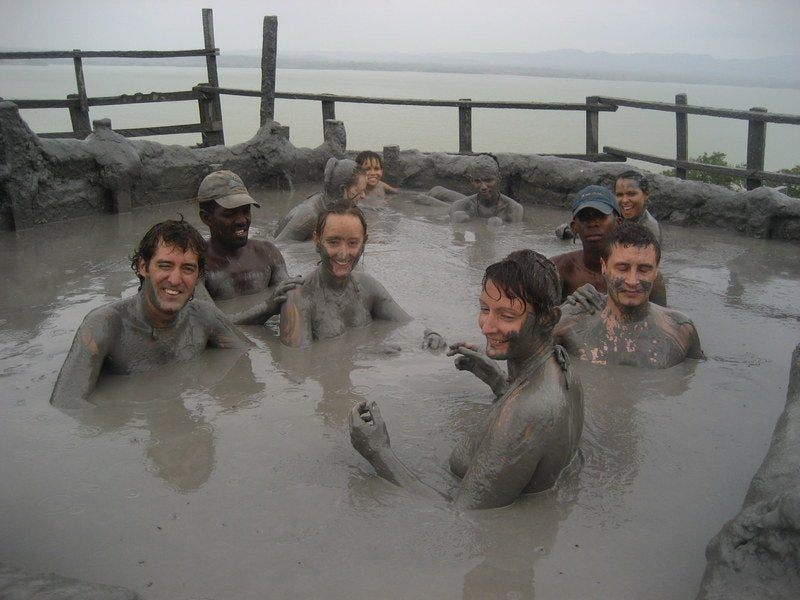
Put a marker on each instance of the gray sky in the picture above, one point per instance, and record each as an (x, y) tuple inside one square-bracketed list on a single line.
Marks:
[(721, 28)]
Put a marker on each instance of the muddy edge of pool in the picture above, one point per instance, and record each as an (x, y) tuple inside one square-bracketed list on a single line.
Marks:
[(45, 180), (755, 555)]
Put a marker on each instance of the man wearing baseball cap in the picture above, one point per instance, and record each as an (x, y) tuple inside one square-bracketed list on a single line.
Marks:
[(595, 213), (247, 278)]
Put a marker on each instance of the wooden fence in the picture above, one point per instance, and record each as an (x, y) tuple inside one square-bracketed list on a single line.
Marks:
[(209, 105), (210, 126)]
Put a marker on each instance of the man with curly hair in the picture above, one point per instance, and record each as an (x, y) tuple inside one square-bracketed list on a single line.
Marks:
[(159, 325)]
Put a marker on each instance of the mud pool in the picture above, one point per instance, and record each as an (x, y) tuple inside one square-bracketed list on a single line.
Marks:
[(233, 476)]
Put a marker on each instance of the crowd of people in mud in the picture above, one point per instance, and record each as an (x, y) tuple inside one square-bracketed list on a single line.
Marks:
[(604, 303)]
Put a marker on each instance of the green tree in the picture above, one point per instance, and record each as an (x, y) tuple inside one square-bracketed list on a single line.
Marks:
[(720, 159), (792, 189)]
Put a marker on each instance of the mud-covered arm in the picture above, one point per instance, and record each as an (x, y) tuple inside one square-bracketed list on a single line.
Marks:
[(388, 189), (382, 305), (299, 227), (515, 211), (469, 358), (694, 349), (459, 206), (295, 328), (264, 304), (84, 361), (369, 436), (222, 332), (502, 467)]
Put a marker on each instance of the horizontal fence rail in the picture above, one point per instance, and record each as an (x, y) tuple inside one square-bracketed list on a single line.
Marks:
[(209, 106), (208, 95)]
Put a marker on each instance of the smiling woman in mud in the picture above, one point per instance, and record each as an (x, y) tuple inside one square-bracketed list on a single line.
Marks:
[(633, 191), (345, 185), (334, 296)]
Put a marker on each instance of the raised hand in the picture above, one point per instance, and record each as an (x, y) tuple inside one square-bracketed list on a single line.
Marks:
[(469, 358)]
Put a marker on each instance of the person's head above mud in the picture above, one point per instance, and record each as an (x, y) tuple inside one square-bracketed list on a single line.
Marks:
[(225, 208), (484, 174), (531, 434), (237, 265), (487, 202), (344, 183), (595, 213), (156, 326), (630, 330), (372, 164), (335, 296), (632, 190)]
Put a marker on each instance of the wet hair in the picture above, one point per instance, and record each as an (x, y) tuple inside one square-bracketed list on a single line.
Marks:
[(366, 155), (179, 234), (631, 234), (339, 209), (482, 165), (640, 180), (340, 173), (528, 276)]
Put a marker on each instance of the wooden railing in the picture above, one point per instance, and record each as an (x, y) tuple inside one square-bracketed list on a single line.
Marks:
[(757, 119), (210, 126), (209, 106)]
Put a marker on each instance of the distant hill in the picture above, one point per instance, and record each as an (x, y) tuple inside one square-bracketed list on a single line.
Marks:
[(777, 71)]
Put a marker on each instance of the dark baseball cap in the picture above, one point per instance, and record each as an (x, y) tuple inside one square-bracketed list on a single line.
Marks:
[(597, 197), (226, 188)]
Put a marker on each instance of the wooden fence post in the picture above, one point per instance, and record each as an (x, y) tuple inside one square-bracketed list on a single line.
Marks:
[(681, 136), (465, 126), (79, 115), (269, 53), (328, 110), (756, 144), (216, 136), (592, 126)]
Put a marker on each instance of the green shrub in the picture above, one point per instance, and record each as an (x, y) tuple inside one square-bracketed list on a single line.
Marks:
[(719, 159)]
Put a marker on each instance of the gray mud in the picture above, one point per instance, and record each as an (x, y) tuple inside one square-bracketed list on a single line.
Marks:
[(233, 476)]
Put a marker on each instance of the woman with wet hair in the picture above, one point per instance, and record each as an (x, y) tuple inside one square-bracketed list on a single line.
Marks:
[(335, 296), (344, 184), (633, 191)]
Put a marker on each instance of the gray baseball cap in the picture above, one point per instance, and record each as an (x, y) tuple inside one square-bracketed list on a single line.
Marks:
[(597, 197), (226, 188)]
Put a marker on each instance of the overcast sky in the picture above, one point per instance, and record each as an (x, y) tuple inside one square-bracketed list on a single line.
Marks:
[(721, 28)]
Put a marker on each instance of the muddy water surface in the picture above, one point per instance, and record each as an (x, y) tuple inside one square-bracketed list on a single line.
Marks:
[(233, 476)]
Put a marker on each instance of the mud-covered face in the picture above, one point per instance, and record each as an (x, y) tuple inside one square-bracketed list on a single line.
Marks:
[(356, 192), (592, 227), (228, 226), (374, 172), (629, 273), (340, 244), (631, 199), (487, 187), (503, 322), (169, 279)]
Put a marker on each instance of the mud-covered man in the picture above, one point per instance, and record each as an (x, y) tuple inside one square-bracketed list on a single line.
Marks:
[(629, 330), (159, 325), (252, 272), (532, 431), (487, 202), (595, 213)]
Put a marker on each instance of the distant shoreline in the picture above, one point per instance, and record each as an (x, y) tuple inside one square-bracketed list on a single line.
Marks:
[(664, 68)]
